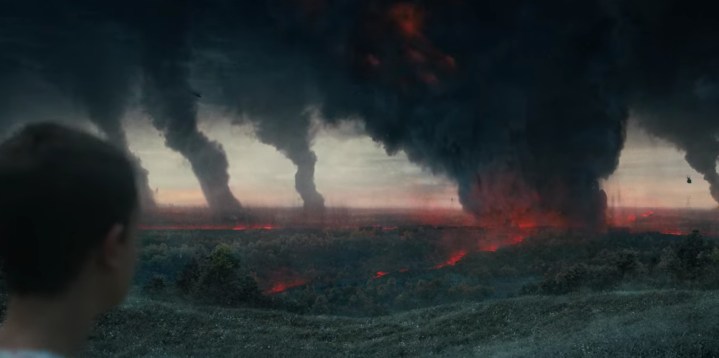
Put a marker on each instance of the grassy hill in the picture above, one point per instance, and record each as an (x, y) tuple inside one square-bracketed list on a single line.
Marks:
[(617, 324)]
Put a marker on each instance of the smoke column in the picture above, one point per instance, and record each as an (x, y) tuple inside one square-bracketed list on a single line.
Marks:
[(676, 79), (172, 103), (292, 138), (519, 102), (251, 67), (522, 103), (85, 58), (103, 84)]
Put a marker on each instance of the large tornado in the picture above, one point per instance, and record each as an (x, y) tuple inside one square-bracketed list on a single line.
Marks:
[(292, 138), (520, 103), (523, 103), (675, 79), (263, 80), (172, 102), (103, 84), (89, 60)]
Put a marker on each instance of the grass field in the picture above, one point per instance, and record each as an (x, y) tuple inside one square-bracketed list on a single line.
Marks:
[(204, 294), (615, 324)]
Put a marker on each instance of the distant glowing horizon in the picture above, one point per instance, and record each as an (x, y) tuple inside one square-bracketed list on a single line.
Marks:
[(353, 171)]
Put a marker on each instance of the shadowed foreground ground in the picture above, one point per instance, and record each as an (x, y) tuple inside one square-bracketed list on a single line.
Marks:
[(619, 324)]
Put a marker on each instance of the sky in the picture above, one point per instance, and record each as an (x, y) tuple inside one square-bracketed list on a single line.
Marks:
[(354, 171)]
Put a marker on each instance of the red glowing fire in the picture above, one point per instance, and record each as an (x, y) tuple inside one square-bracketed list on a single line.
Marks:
[(634, 217), (279, 287), (209, 227), (421, 62), (408, 19), (668, 222), (252, 227), (509, 240), (453, 259), (490, 232), (489, 248)]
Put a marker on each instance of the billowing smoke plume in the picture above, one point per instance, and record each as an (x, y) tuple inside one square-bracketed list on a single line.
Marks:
[(676, 80), (277, 108), (523, 103), (84, 58), (172, 102), (292, 138), (95, 53), (102, 81), (247, 67)]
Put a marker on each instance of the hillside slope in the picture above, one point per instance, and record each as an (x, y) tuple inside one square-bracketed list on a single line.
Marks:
[(618, 324)]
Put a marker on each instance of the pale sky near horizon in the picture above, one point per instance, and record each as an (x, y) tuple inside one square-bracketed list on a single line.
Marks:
[(353, 171)]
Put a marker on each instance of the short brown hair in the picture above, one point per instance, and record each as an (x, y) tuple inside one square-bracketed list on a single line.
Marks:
[(61, 190)]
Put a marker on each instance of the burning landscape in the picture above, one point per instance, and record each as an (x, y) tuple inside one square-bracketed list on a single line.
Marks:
[(448, 237), (522, 108)]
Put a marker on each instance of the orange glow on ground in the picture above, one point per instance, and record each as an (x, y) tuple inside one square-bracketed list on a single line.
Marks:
[(253, 227), (517, 239), (453, 259), (489, 248), (632, 218), (279, 287), (208, 227), (665, 221), (380, 274)]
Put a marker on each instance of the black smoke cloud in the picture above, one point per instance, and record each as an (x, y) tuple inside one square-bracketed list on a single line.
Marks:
[(290, 134), (676, 80), (249, 66), (172, 102), (79, 52), (523, 104)]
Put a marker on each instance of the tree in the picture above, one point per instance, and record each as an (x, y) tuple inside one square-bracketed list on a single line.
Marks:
[(693, 255), (216, 278)]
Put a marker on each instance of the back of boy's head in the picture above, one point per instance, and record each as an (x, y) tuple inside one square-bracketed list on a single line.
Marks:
[(61, 190)]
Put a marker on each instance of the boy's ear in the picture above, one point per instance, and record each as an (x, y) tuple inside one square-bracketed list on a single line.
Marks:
[(110, 254)]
